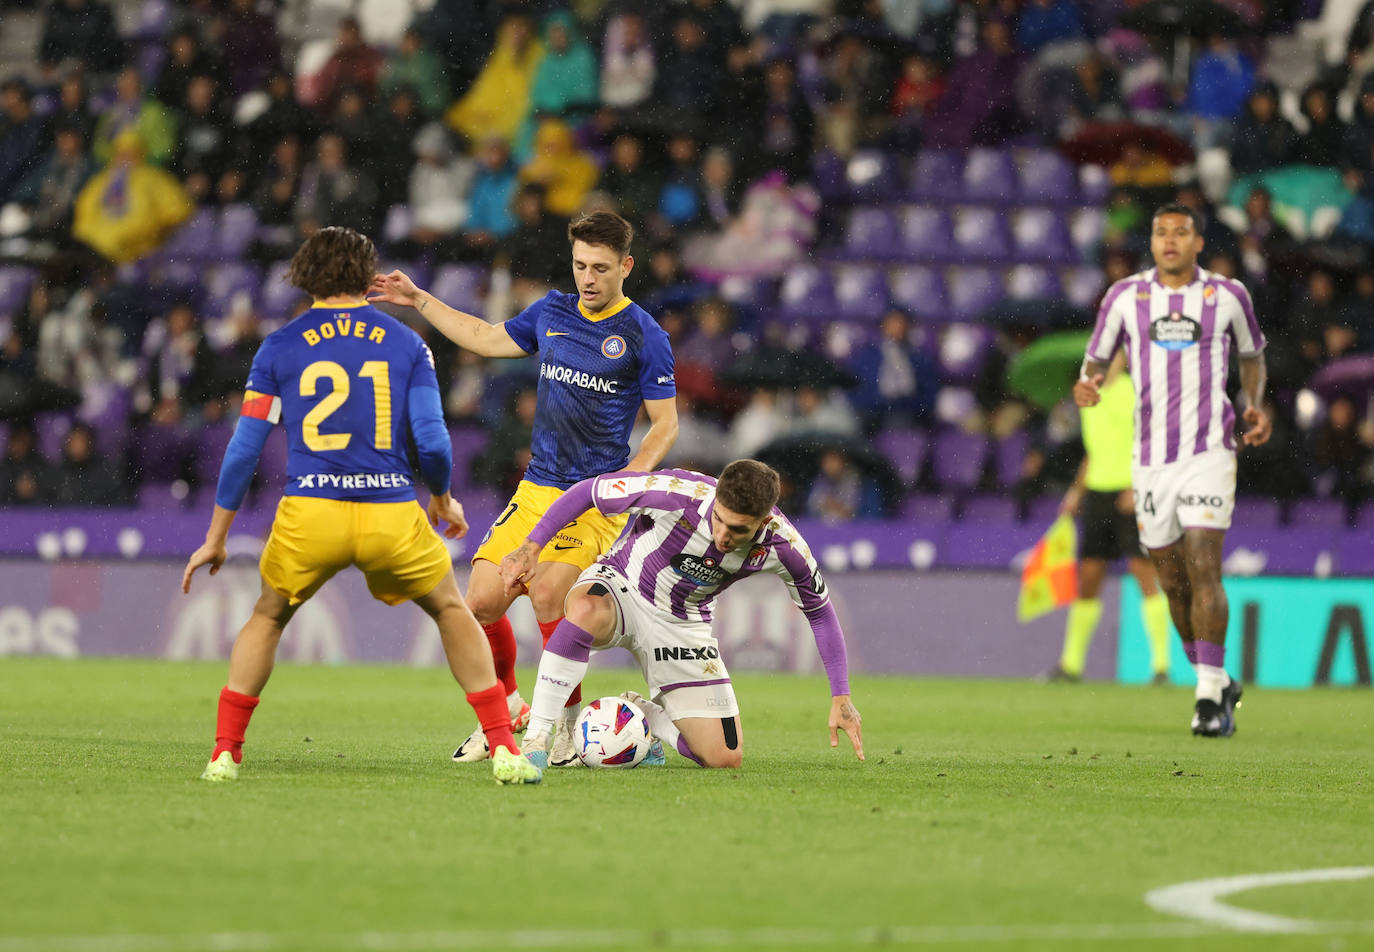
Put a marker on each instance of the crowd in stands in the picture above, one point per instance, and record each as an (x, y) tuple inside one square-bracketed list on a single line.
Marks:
[(852, 216)]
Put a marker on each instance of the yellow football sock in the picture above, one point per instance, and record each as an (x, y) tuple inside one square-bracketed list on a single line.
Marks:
[(1154, 612), (1084, 614)]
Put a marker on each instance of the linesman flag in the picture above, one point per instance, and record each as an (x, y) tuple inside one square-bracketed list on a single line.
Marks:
[(1050, 578)]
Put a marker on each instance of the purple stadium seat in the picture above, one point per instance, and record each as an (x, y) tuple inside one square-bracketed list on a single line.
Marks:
[(461, 286), (1033, 282), (238, 226), (420, 272), (1094, 184), (191, 242), (936, 175), (989, 176), (958, 459), (927, 507), (871, 176), (906, 447), (154, 19), (161, 497), (1043, 511), (467, 440), (1087, 228), (1009, 457), (159, 452), (973, 290), (278, 296), (921, 290), (807, 292), (748, 292), (1046, 176), (927, 234), (872, 233), (1364, 517), (106, 408), (15, 283), (1041, 234), (1317, 514), (860, 292), (399, 223), (981, 234), (1083, 286), (828, 175), (52, 429), (989, 510), (224, 282), (211, 440), (272, 463), (964, 349), (1257, 513)]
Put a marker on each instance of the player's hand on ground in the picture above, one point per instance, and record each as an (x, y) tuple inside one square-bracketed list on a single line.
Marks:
[(1258, 427), (447, 509), (844, 716), (1085, 391), (518, 567), (393, 288), (212, 554)]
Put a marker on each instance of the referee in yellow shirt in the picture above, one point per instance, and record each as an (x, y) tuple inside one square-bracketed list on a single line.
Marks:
[(1101, 499)]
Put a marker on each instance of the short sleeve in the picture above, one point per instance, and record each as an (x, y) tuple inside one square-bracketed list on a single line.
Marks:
[(656, 381), (523, 328), (1106, 337)]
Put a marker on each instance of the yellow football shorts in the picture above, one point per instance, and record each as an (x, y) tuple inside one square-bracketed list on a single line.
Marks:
[(391, 542), (581, 542)]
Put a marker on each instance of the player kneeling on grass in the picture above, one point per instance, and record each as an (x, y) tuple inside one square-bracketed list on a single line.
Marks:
[(688, 539), (353, 387)]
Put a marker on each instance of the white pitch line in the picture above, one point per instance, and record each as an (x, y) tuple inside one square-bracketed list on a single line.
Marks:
[(754, 938), (1200, 900)]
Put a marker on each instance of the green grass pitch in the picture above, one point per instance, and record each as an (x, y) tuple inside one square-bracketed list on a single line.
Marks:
[(989, 815)]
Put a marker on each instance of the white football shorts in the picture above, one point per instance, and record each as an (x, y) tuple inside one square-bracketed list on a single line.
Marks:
[(1195, 493), (680, 658)]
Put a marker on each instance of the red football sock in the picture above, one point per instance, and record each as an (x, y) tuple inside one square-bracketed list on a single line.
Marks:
[(235, 709), (546, 630), (490, 706), (502, 638)]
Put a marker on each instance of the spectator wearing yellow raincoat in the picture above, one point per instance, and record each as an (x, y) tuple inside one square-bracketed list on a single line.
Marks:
[(130, 207)]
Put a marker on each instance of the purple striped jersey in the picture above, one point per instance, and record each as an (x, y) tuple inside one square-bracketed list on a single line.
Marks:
[(667, 553), (1178, 342)]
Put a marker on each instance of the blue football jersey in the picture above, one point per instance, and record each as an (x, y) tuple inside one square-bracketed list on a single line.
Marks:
[(339, 378), (595, 369)]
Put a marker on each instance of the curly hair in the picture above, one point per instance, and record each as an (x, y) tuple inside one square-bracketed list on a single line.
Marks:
[(749, 488), (334, 262)]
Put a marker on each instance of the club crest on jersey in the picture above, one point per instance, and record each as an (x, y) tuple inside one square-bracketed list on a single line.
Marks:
[(1208, 293), (613, 346), (1175, 331), (757, 556)]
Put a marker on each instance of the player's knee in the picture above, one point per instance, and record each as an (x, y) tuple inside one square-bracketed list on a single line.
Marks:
[(547, 598), (487, 607), (721, 756), (589, 612)]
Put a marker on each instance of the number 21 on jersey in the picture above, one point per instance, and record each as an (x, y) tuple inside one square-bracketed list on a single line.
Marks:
[(377, 371)]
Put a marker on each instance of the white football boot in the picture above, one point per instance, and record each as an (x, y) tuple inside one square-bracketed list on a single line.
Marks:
[(564, 753), (476, 748)]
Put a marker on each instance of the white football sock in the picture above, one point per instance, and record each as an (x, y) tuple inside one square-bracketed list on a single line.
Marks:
[(1210, 682), (660, 724), (555, 681)]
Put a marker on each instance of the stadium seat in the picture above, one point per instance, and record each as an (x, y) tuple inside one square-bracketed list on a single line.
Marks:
[(936, 175), (461, 286), (192, 242), (860, 292), (927, 507), (1041, 235), (224, 282), (468, 441), (278, 296), (1046, 176), (160, 453), (972, 291), (872, 233), (807, 291), (1032, 282), (1088, 228), (1009, 457), (989, 176), (15, 283), (399, 223), (981, 234), (1317, 514), (162, 497), (906, 447), (958, 459), (272, 462), (871, 176), (1364, 517), (920, 289), (1094, 184), (1043, 511), (52, 427), (964, 349), (420, 271), (237, 227), (1257, 513), (154, 20), (927, 234), (211, 441), (828, 175), (106, 407), (989, 510), (1084, 286)]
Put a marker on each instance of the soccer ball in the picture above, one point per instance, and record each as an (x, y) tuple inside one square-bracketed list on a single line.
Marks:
[(611, 732)]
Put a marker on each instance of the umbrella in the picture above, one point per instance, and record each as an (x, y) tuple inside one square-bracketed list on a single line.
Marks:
[(775, 368), (1351, 377), (1170, 18), (1101, 143), (1056, 313), (1045, 371), (797, 457)]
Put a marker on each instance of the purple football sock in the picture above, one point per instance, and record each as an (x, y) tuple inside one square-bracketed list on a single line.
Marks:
[(1211, 654), (686, 751)]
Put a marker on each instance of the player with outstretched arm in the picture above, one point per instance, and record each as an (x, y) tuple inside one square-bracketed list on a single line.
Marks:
[(1178, 323), (600, 357), (353, 387), (689, 538)]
